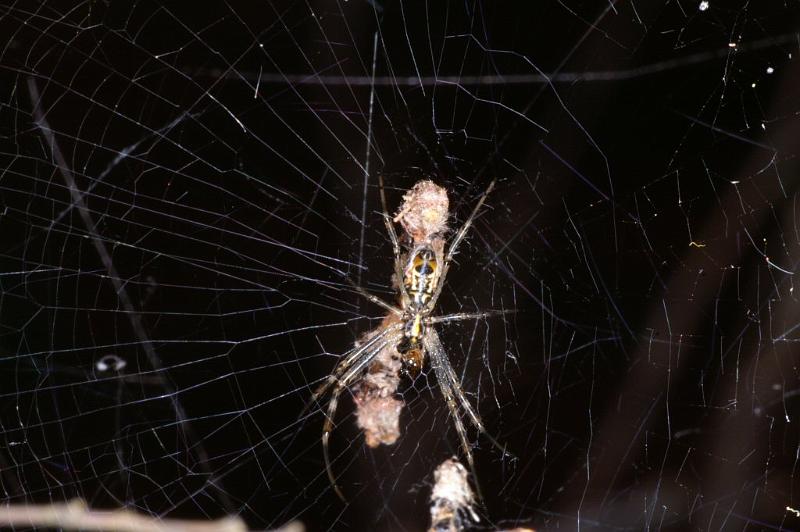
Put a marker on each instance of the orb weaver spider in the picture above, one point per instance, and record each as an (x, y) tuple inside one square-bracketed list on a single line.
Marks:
[(408, 329)]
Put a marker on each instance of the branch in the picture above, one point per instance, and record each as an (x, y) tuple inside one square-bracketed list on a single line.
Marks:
[(76, 515)]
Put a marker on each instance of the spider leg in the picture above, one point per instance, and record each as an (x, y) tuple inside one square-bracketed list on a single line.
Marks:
[(327, 428), (461, 316), (348, 359), (439, 363), (375, 299), (398, 267), (341, 384), (447, 370), (451, 251), (447, 392)]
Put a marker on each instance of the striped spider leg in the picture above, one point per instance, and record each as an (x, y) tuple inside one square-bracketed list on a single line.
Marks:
[(453, 394)]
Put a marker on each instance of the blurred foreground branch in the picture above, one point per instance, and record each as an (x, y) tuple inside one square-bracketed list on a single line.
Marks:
[(76, 515)]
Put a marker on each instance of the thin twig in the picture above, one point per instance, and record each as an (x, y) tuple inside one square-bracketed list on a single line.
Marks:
[(76, 515)]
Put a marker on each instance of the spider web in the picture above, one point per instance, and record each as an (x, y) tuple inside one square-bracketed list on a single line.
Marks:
[(186, 190)]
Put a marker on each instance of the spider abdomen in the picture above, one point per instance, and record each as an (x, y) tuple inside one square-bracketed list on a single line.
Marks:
[(421, 275)]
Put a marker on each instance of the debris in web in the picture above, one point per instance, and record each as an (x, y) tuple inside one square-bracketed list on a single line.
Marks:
[(377, 407), (452, 500), (423, 213)]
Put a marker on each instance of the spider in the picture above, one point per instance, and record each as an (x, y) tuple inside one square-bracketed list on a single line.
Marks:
[(419, 275)]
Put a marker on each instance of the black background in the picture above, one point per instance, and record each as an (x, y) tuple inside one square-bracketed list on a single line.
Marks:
[(644, 213)]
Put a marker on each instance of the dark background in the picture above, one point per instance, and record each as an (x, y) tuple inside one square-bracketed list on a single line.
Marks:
[(643, 227)]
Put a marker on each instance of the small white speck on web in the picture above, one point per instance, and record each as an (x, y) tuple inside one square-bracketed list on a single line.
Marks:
[(110, 362), (703, 5), (770, 70)]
